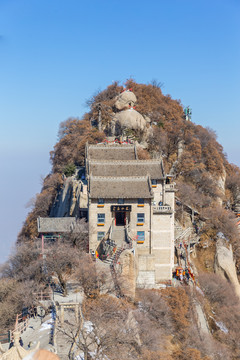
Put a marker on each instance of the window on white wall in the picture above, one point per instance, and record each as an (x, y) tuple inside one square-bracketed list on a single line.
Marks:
[(140, 236), (101, 218), (140, 218), (100, 235)]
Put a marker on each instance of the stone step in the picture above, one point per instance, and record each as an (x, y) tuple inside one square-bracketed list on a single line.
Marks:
[(118, 234), (111, 259)]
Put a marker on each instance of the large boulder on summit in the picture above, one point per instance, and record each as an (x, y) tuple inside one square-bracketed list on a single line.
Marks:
[(128, 119), (125, 100), (225, 265)]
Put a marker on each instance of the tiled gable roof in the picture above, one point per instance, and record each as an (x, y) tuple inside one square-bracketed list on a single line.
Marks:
[(56, 225), (153, 168), (111, 152), (120, 187)]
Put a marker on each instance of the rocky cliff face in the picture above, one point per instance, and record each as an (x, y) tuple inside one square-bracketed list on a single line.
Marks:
[(71, 198), (220, 183), (225, 265)]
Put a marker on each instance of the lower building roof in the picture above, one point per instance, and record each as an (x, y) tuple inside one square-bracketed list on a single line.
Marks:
[(133, 187), (56, 224)]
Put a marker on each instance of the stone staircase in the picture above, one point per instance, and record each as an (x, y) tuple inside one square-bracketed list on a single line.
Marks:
[(185, 241), (111, 259), (112, 262), (118, 235)]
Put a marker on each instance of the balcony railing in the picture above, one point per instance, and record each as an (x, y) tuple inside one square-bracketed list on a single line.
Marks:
[(162, 210)]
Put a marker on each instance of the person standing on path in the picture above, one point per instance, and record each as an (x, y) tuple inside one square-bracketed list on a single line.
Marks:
[(20, 341)]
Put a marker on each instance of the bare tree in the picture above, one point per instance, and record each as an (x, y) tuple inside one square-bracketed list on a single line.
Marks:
[(61, 260), (92, 280), (104, 330), (78, 237)]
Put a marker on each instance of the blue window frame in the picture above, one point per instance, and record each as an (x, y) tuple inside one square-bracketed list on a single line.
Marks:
[(141, 218), (100, 235), (121, 201), (154, 182), (101, 218), (101, 201), (140, 201), (140, 236)]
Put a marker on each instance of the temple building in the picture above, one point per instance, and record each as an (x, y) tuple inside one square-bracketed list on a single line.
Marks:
[(131, 206)]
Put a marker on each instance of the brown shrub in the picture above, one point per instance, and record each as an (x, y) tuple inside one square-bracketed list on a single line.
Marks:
[(153, 303), (143, 154), (178, 302), (42, 206), (74, 134)]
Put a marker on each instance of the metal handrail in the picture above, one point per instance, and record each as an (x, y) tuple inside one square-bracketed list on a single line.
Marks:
[(107, 235), (128, 237)]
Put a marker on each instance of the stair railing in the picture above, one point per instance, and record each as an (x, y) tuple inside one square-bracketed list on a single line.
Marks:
[(116, 257), (128, 237), (111, 228), (105, 239)]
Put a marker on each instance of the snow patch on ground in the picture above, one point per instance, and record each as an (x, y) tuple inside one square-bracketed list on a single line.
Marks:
[(47, 325), (200, 290), (222, 327), (88, 326)]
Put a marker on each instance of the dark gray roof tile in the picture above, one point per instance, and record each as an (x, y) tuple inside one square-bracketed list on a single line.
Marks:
[(153, 168), (111, 152), (56, 225), (120, 187)]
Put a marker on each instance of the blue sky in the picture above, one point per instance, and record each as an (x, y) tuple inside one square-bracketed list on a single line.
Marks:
[(55, 54)]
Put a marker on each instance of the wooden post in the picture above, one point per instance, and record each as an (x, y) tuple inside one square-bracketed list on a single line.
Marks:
[(42, 244)]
